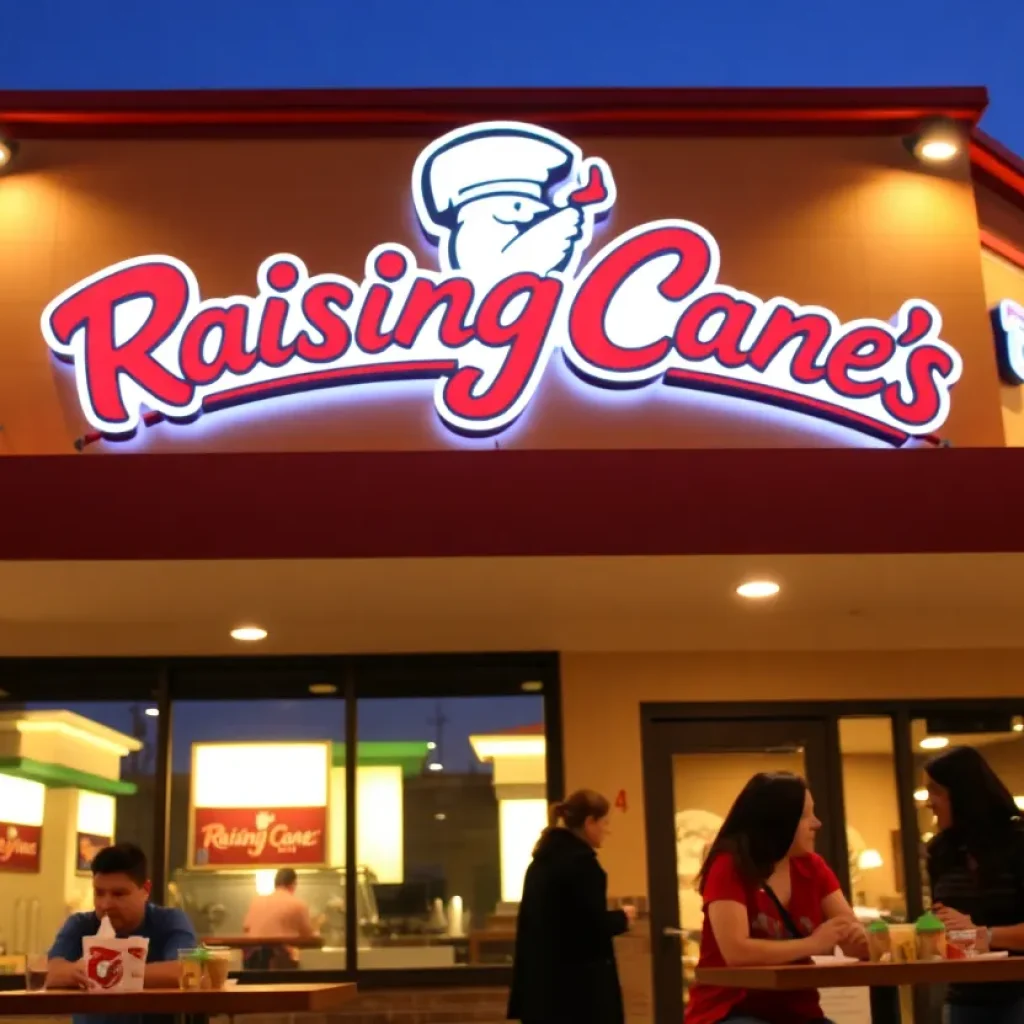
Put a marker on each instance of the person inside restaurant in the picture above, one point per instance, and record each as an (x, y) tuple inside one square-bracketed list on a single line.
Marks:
[(976, 871), (769, 899), (280, 914), (121, 887)]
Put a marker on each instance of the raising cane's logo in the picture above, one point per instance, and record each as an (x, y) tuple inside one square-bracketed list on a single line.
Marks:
[(19, 847), (294, 835), (512, 209)]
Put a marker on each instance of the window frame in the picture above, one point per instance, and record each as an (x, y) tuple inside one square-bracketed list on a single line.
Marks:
[(166, 681)]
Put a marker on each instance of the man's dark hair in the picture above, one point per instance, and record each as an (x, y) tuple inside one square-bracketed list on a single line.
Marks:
[(122, 859), (285, 877)]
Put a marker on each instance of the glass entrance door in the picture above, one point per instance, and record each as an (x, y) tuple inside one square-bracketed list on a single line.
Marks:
[(693, 770)]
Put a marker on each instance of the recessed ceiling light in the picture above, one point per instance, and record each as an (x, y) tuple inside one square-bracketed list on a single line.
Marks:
[(934, 742), (440, 816), (249, 634), (435, 767), (322, 688), (920, 795), (532, 686), (755, 589), (153, 712), (1018, 725)]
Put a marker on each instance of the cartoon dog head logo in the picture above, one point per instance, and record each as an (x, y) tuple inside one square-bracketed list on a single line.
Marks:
[(502, 198)]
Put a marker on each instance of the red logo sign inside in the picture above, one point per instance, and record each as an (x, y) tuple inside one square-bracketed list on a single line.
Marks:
[(19, 847), (244, 836)]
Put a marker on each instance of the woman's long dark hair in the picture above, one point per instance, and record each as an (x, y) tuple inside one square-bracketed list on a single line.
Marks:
[(984, 815), (758, 831)]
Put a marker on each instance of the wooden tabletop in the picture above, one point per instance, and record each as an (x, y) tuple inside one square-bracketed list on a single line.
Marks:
[(249, 941), (857, 975), (298, 998)]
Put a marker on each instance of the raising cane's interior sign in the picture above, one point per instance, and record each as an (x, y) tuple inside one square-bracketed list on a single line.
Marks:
[(250, 837), (19, 847), (512, 209)]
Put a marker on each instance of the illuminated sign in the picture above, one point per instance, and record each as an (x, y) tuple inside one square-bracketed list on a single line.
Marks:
[(512, 209), (1008, 325), (241, 836), (19, 847)]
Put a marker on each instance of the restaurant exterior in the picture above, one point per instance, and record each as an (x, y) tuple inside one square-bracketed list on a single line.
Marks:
[(475, 409)]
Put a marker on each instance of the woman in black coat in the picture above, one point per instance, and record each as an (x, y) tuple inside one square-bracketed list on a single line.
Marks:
[(564, 971)]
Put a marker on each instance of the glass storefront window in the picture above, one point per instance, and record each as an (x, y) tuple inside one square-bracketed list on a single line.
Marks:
[(74, 777), (451, 798), (258, 789), (870, 800)]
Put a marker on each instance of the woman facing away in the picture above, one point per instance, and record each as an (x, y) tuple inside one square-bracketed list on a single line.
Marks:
[(769, 899), (564, 970), (976, 871)]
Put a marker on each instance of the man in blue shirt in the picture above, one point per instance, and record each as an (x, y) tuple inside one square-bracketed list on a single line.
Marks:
[(121, 887)]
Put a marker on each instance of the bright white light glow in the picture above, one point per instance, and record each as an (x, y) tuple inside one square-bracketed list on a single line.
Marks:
[(755, 589), (938, 150), (934, 742), (436, 767), (1019, 801), (921, 795), (520, 822), (869, 859), (249, 634), (96, 813), (260, 775), (431, 745), (489, 747), (265, 882), (22, 801), (379, 820), (501, 199), (153, 712)]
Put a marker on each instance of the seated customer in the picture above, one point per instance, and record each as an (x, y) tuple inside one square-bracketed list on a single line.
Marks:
[(121, 886), (280, 914), (769, 899)]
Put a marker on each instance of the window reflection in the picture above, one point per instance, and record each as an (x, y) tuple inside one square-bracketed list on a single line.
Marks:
[(452, 797), (257, 828), (74, 777)]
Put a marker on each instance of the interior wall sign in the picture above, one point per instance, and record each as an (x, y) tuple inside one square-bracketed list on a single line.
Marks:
[(511, 208)]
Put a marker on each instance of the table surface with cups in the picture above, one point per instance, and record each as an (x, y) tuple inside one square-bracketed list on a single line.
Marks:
[(232, 999)]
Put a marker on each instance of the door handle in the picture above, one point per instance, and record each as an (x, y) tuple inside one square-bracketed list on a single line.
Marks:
[(669, 932)]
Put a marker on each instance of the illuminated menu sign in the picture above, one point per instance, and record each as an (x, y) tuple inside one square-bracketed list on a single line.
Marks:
[(20, 847), (247, 837)]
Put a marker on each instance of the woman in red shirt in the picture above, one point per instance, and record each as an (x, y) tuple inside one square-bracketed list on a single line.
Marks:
[(769, 899)]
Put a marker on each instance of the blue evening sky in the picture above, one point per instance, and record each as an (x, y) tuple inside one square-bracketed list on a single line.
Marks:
[(156, 44)]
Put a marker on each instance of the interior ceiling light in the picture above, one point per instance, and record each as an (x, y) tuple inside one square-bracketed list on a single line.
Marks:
[(937, 141), (322, 689), (249, 634), (934, 742), (153, 712), (758, 589)]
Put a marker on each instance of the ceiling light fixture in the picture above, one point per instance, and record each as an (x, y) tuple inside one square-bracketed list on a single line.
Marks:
[(248, 634), (322, 689), (435, 767), (758, 589), (7, 150), (153, 712), (921, 795), (937, 141), (934, 742)]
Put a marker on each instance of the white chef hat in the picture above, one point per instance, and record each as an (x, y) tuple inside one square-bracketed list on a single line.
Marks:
[(491, 160)]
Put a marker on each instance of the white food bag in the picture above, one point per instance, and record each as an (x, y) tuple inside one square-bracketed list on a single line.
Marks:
[(115, 965)]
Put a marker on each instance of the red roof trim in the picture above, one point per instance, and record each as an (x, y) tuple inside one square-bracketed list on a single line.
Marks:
[(483, 504), (1001, 247), (38, 113), (995, 165)]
